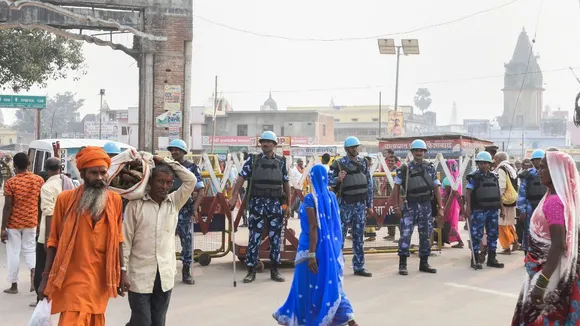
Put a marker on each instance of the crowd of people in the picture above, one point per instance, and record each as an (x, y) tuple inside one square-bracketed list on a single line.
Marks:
[(85, 244)]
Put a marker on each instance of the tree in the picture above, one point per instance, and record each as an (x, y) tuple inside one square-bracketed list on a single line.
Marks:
[(32, 57), (423, 99), (57, 118)]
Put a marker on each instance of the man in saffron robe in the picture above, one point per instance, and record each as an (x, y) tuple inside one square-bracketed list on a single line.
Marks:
[(84, 263)]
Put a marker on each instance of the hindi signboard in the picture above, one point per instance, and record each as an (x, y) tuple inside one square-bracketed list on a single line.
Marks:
[(23, 102), (172, 98)]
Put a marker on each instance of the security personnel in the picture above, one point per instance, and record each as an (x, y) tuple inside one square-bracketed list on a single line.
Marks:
[(530, 193), (188, 212), (268, 187), (420, 186), (352, 181), (112, 149), (483, 202)]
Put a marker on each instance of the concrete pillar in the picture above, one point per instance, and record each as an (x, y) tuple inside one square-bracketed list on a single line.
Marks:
[(186, 123), (146, 78)]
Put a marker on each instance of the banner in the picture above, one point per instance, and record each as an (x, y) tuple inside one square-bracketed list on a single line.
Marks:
[(172, 98), (302, 140), (448, 147), (228, 140), (309, 151), (168, 120), (395, 123)]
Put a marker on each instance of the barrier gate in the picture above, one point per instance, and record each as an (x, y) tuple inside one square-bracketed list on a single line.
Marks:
[(213, 234)]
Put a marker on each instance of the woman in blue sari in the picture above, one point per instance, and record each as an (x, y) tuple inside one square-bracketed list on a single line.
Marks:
[(316, 295)]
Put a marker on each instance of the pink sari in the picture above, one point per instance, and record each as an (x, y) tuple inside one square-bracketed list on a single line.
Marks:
[(452, 215), (562, 297)]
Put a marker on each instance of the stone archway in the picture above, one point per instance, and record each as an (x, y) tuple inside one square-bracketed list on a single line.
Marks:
[(162, 46)]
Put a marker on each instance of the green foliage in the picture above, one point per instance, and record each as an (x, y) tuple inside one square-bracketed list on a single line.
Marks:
[(57, 118), (423, 99), (32, 57)]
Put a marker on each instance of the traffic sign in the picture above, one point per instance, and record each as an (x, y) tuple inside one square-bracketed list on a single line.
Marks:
[(22, 102)]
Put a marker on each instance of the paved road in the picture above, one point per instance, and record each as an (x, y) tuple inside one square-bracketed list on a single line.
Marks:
[(456, 295)]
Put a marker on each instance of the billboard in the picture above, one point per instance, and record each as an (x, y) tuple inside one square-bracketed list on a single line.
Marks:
[(109, 130), (395, 123), (228, 140)]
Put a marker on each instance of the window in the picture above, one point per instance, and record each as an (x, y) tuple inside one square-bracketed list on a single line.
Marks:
[(282, 131), (375, 119), (10, 141), (31, 154), (38, 162), (242, 130), (324, 130), (124, 131), (354, 119), (112, 116), (268, 128)]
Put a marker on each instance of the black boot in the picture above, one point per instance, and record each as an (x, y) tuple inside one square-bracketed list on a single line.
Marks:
[(363, 272), (425, 267), (475, 264), (186, 275), (403, 265), (251, 276), (275, 275), (492, 261)]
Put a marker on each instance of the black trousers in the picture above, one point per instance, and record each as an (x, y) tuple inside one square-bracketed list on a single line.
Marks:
[(149, 309), (40, 262)]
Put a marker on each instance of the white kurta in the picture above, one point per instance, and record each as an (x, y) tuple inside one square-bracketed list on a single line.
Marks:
[(510, 212)]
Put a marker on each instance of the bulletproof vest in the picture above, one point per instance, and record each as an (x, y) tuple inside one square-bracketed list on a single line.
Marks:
[(176, 181), (267, 177), (418, 185), (535, 189), (486, 194), (354, 184)]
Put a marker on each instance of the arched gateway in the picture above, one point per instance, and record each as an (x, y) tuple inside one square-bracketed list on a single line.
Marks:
[(162, 32)]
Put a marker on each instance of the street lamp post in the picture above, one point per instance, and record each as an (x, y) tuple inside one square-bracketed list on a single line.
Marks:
[(409, 46), (102, 93)]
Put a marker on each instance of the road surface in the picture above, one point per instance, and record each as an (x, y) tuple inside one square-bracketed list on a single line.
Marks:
[(456, 295)]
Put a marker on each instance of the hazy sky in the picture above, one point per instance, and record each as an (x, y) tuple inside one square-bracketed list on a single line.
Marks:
[(461, 61)]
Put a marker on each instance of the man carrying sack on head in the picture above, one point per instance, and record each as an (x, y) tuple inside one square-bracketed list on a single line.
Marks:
[(83, 264)]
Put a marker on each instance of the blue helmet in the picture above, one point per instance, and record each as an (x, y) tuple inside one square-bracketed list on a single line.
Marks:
[(112, 148), (483, 157), (269, 135), (418, 144), (351, 142), (177, 143), (538, 154)]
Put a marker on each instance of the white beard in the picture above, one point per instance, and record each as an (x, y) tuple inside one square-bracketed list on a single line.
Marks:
[(93, 200)]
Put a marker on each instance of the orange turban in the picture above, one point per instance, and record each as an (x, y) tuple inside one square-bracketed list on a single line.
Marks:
[(92, 156)]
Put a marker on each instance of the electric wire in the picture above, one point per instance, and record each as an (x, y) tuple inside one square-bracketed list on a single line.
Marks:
[(342, 39)]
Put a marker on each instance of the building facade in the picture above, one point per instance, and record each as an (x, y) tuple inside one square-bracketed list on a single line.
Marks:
[(237, 130)]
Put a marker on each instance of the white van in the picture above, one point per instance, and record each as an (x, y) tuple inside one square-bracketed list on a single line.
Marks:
[(40, 150)]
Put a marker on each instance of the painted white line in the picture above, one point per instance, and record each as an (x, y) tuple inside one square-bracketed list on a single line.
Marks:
[(474, 288)]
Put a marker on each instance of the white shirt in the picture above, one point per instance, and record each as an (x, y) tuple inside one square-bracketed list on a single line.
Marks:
[(48, 193), (295, 177), (149, 232)]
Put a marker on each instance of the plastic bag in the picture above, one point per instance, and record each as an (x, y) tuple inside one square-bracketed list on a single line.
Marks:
[(139, 189), (41, 314)]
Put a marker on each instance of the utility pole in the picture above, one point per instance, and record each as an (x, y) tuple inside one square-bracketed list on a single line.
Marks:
[(397, 79), (38, 123), (102, 92), (380, 114), (214, 112)]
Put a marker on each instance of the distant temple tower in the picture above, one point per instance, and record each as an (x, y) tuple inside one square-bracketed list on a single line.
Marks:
[(528, 111), (269, 104)]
